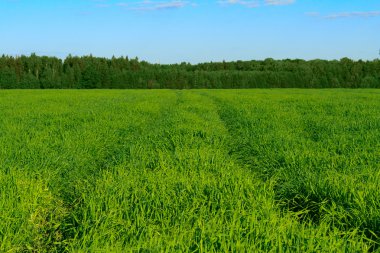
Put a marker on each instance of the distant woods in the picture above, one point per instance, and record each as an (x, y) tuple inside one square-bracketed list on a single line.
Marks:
[(88, 72)]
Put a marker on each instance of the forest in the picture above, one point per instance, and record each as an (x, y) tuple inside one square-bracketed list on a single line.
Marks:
[(89, 72)]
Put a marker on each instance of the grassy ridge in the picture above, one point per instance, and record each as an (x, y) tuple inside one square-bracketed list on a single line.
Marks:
[(189, 171)]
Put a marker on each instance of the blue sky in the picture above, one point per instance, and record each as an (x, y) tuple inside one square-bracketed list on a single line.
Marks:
[(194, 31)]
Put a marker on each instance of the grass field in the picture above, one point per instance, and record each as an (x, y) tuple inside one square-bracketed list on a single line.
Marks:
[(190, 171)]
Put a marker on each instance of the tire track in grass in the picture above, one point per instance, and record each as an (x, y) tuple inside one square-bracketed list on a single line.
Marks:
[(58, 151), (152, 149), (268, 157), (201, 193), (161, 177), (117, 140), (192, 199), (242, 130)]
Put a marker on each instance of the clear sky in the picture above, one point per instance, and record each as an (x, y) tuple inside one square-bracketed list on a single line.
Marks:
[(194, 31)]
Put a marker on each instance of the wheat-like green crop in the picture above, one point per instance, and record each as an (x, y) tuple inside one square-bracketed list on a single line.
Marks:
[(190, 171)]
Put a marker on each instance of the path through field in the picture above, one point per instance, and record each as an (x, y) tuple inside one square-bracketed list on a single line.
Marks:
[(190, 171)]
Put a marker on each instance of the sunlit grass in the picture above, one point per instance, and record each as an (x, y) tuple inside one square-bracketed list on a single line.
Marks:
[(190, 171)]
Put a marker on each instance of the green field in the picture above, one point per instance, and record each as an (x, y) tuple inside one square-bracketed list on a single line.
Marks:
[(190, 171)]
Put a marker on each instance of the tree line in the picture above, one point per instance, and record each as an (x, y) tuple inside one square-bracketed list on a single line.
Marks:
[(88, 72)]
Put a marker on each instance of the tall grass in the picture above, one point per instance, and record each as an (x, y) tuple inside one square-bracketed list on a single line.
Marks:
[(190, 171)]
